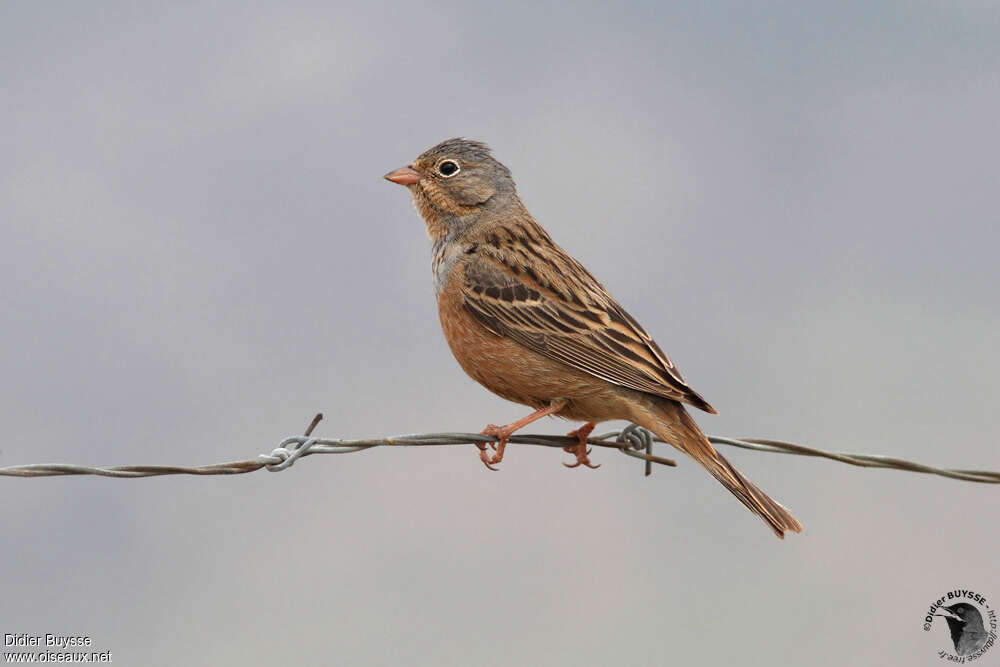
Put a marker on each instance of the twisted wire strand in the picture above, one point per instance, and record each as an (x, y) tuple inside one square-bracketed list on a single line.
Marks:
[(632, 440)]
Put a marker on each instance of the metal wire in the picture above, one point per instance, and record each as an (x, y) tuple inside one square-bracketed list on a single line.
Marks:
[(633, 440)]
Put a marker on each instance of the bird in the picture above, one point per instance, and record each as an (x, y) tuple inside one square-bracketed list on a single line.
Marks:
[(531, 324), (967, 630)]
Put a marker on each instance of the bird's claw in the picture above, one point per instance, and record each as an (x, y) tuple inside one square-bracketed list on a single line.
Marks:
[(485, 458), (581, 459), (580, 450), (501, 434)]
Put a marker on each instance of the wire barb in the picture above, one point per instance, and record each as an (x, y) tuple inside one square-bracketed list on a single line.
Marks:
[(281, 457), (633, 441)]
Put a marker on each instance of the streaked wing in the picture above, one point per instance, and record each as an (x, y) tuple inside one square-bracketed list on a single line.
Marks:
[(519, 284)]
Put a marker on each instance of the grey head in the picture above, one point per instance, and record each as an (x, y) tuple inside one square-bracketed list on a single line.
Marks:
[(453, 183)]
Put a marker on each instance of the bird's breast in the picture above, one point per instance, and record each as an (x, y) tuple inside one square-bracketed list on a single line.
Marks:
[(515, 372)]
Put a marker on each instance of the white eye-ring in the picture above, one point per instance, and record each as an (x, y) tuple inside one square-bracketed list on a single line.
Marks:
[(448, 168)]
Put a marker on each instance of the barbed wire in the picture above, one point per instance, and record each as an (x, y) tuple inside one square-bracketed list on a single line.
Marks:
[(633, 440)]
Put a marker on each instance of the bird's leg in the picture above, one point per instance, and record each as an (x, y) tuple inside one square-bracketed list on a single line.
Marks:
[(503, 433), (580, 449)]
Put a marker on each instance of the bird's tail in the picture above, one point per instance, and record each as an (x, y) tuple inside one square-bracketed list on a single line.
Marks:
[(671, 422)]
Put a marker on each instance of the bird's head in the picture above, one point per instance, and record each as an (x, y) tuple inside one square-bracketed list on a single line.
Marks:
[(453, 182), (966, 626), (961, 613)]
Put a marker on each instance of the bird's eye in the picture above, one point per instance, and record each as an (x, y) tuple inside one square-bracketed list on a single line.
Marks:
[(448, 168)]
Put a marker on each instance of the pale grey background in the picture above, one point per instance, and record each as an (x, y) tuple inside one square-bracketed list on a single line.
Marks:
[(198, 252)]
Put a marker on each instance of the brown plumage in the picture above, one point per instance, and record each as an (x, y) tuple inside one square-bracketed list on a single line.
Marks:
[(528, 322)]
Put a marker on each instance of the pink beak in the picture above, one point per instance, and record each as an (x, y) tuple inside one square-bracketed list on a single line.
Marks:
[(404, 176)]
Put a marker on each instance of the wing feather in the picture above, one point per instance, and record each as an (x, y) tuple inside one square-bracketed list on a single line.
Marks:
[(519, 284)]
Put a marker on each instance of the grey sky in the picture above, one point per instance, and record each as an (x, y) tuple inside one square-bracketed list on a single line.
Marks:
[(198, 253)]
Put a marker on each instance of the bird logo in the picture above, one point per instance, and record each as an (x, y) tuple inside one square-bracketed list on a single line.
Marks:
[(972, 624), (967, 630)]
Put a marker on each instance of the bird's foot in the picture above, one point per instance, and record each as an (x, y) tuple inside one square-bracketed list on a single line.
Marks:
[(502, 434), (580, 450)]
